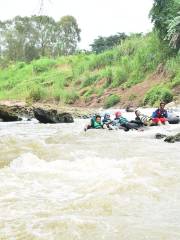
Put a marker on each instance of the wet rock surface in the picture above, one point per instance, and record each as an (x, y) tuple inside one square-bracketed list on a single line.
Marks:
[(169, 139), (52, 116), (8, 114), (160, 136)]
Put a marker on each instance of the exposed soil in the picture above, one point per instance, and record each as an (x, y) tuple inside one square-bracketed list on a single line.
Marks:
[(130, 96)]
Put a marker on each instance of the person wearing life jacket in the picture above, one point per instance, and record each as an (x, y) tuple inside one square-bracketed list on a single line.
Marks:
[(142, 119), (95, 123), (121, 122), (107, 121), (160, 115)]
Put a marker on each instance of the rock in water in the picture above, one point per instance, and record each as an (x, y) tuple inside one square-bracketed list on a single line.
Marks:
[(177, 137), (159, 136), (170, 139), (130, 109), (52, 116), (7, 114)]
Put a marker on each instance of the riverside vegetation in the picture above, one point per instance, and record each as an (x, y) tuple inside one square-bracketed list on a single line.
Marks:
[(82, 77), (44, 64)]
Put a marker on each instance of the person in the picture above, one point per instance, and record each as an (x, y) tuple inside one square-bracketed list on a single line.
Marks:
[(142, 119), (160, 115), (95, 123), (107, 121), (121, 122)]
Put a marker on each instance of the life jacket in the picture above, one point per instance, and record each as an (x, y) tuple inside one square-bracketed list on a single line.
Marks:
[(160, 113), (121, 120), (95, 124)]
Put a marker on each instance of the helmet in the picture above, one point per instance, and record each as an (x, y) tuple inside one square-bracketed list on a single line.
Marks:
[(118, 114), (107, 114)]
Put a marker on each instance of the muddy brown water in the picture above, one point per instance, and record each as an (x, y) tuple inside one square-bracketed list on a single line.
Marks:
[(59, 183)]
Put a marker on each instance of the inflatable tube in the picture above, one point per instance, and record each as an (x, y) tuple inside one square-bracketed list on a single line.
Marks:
[(173, 120), (133, 125)]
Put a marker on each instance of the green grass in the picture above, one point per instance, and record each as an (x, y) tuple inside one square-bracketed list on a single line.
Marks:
[(111, 101), (64, 78), (157, 94)]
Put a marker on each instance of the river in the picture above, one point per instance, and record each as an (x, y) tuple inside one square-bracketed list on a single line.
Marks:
[(58, 182)]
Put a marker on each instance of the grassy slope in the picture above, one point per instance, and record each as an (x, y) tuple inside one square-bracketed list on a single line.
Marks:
[(82, 78)]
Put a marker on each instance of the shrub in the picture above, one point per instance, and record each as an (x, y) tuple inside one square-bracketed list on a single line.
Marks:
[(36, 94), (20, 65), (43, 65), (157, 94), (101, 60), (120, 76), (89, 80), (71, 97), (111, 101), (132, 97), (108, 75)]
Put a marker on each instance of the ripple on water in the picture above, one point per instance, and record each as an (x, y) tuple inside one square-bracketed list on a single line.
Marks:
[(58, 182)]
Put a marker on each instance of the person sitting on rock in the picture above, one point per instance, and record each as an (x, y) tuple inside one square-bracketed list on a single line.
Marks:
[(142, 119), (95, 123), (160, 115)]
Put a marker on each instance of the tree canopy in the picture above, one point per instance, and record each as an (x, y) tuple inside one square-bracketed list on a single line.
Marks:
[(164, 15), (27, 38), (103, 43)]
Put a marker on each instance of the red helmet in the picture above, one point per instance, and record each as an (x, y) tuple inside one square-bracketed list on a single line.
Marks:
[(118, 114)]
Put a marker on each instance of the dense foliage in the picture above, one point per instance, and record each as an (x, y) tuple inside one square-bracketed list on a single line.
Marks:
[(164, 14), (84, 76), (28, 38), (104, 43)]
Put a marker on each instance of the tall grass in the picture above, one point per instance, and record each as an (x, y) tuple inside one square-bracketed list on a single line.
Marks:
[(67, 79)]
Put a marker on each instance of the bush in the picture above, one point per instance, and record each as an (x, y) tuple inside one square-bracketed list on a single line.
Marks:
[(108, 75), (43, 65), (71, 97), (65, 96), (101, 60), (36, 94), (157, 94), (111, 101), (120, 77), (89, 80)]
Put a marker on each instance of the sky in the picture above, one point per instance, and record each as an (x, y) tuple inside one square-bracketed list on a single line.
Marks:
[(94, 17)]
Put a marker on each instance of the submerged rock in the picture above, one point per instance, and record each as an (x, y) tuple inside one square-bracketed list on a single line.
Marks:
[(7, 114), (172, 139), (159, 136), (52, 116), (177, 137)]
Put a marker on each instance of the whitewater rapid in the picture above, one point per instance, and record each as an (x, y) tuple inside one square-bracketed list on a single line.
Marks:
[(58, 182)]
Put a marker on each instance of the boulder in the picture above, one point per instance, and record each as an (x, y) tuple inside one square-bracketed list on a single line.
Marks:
[(52, 116), (7, 114), (130, 109)]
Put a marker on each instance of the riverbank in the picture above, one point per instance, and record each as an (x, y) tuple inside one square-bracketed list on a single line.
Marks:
[(22, 109)]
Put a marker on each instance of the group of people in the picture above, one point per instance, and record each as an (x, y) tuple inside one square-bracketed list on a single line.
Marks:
[(119, 122)]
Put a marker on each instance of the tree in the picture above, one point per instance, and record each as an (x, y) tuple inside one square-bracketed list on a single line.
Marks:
[(68, 34), (174, 32), (44, 28), (161, 13), (28, 38), (103, 43)]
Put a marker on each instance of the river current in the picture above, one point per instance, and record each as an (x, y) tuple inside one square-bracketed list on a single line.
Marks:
[(58, 182)]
